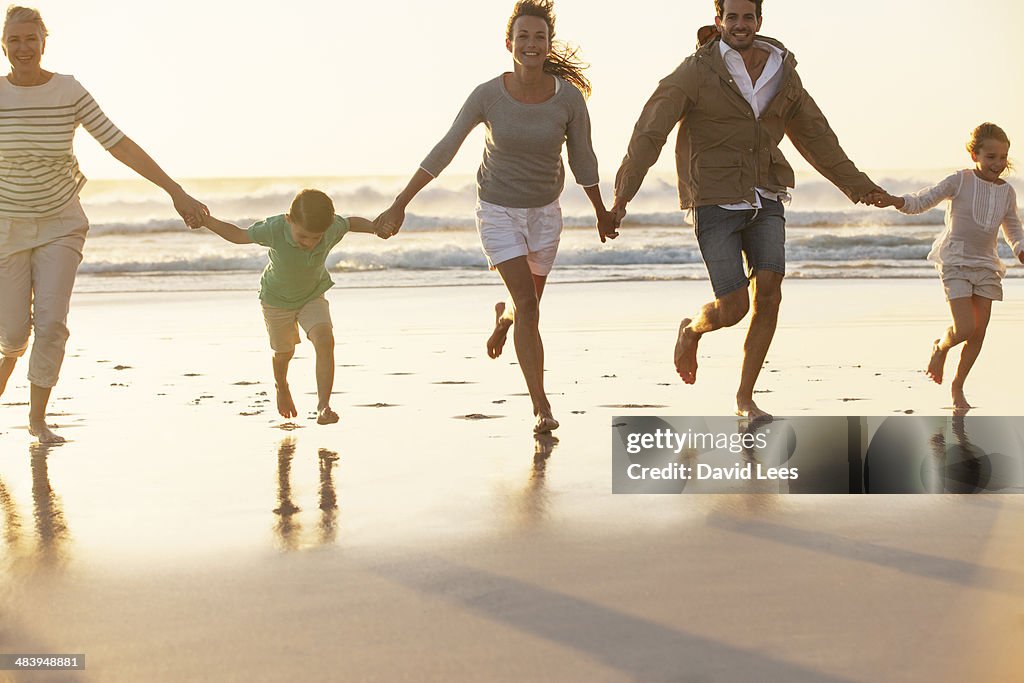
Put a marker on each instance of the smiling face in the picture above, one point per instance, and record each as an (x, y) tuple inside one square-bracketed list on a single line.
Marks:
[(23, 44), (738, 24), (530, 41), (991, 159)]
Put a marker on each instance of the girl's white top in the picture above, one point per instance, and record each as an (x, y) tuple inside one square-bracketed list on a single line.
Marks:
[(976, 210)]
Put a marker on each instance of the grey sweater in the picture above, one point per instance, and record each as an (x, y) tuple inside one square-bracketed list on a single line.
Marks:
[(522, 164)]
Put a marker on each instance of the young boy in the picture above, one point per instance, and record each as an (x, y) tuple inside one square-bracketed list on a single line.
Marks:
[(293, 285)]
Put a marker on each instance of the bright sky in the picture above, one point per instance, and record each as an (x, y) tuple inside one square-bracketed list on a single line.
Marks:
[(215, 88)]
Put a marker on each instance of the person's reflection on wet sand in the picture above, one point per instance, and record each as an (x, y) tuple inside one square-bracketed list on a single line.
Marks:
[(12, 522), (49, 514), (288, 528), (956, 469), (51, 551), (533, 503), (328, 497)]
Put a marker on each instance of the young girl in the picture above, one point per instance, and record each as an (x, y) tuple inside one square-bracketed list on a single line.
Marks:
[(965, 253)]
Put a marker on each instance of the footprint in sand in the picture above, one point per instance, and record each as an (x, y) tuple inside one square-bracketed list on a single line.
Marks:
[(244, 384), (499, 401), (122, 367), (377, 405), (250, 414), (609, 376), (478, 416), (452, 381), (579, 412), (399, 374), (191, 374), (288, 426)]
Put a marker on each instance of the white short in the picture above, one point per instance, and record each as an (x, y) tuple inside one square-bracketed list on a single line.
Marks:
[(508, 233)]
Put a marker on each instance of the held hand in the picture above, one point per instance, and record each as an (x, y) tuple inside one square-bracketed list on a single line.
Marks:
[(618, 213), (191, 210), (884, 199), (606, 226), (390, 221), (1020, 257)]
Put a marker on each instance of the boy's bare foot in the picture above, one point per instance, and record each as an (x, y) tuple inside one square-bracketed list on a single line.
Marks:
[(496, 342), (285, 404), (959, 400), (39, 429), (545, 424), (686, 352), (326, 416), (749, 409), (936, 362)]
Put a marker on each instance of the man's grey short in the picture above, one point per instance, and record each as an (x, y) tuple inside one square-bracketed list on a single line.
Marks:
[(726, 236)]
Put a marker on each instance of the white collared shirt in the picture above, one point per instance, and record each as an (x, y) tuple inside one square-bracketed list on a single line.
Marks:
[(759, 95)]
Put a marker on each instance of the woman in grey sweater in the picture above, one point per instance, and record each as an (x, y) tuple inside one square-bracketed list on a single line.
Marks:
[(529, 114)]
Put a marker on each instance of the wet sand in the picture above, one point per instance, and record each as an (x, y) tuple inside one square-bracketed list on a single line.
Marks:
[(187, 532)]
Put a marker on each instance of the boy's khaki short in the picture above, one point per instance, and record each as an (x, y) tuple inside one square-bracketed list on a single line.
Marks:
[(283, 323)]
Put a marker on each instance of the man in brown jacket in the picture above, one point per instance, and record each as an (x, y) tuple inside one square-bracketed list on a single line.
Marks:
[(734, 99)]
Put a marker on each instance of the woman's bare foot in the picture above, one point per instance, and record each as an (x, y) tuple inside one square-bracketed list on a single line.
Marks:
[(685, 355), (285, 404), (545, 423), (959, 400), (502, 323), (326, 416), (936, 363), (38, 428), (749, 409)]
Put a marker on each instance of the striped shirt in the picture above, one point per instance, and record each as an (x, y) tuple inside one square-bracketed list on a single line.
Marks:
[(39, 173)]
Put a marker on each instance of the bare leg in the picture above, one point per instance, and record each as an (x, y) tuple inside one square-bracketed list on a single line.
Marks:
[(504, 318), (37, 427), (767, 299), (972, 347), (526, 335), (285, 404), (962, 328), (724, 312), (7, 364), (322, 337)]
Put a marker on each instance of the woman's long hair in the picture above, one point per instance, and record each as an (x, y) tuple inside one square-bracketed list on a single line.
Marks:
[(562, 61)]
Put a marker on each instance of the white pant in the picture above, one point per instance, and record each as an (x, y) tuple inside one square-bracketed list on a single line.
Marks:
[(35, 292)]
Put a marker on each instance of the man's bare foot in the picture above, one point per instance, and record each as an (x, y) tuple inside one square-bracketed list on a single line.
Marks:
[(39, 429), (959, 400), (686, 352), (749, 409), (936, 363), (326, 416), (496, 342), (285, 404), (545, 424)]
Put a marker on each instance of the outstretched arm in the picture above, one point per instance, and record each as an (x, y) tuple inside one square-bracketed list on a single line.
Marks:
[(812, 136), (666, 107), (134, 157), (360, 224), (232, 233)]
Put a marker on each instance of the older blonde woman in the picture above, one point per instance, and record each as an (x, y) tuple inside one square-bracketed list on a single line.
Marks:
[(42, 225)]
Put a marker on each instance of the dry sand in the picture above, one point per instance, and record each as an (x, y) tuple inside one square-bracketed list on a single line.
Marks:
[(182, 534)]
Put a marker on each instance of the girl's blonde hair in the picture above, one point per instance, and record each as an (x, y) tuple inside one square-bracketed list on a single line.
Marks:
[(17, 15), (987, 131)]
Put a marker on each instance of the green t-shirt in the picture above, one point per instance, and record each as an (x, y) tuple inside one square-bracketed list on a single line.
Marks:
[(294, 276)]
